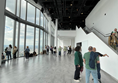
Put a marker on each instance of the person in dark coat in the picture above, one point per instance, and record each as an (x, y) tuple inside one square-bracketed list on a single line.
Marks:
[(78, 63)]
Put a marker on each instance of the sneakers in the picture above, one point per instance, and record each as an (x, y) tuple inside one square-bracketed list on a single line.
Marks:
[(76, 80)]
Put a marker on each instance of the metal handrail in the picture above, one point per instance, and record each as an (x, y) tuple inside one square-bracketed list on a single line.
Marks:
[(97, 31)]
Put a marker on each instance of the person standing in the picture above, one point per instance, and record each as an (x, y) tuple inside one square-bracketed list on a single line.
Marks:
[(47, 50), (78, 63), (70, 49), (54, 50), (89, 70), (64, 50), (9, 51), (27, 50), (60, 50), (112, 41), (14, 52), (98, 64)]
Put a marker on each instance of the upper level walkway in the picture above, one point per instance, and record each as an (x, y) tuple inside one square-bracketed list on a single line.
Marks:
[(44, 69)]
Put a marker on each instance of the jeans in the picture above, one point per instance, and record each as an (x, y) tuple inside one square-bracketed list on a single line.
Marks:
[(60, 53), (9, 54), (27, 55), (98, 70), (77, 72), (94, 74)]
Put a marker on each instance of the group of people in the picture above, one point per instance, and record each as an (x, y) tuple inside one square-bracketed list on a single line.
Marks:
[(28, 54), (92, 64), (8, 51), (113, 39), (54, 50)]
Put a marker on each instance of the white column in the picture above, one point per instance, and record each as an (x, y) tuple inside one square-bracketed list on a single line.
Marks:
[(2, 25), (56, 35), (49, 35)]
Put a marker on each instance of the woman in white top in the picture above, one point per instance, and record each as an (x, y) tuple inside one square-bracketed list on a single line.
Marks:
[(9, 51), (14, 52)]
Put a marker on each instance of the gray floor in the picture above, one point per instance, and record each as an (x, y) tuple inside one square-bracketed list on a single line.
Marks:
[(43, 69)]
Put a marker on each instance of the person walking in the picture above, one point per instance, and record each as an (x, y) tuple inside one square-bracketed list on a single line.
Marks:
[(9, 51), (89, 70), (54, 50), (27, 50), (78, 63), (14, 52), (60, 50), (64, 50), (112, 41)]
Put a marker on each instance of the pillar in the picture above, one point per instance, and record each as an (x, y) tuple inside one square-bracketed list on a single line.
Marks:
[(49, 33), (56, 35), (2, 25)]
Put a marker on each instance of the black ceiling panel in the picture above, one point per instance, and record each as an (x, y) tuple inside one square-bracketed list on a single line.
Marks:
[(69, 12)]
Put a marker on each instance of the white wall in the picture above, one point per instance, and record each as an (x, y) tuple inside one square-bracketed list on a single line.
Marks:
[(109, 65), (104, 23), (67, 42), (67, 33)]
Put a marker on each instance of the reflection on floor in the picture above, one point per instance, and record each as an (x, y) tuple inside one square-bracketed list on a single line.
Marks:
[(43, 69)]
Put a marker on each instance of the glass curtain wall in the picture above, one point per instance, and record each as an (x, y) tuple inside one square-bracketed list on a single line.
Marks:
[(8, 35), (10, 23), (10, 5), (22, 36), (23, 9), (31, 13), (41, 41), (30, 38), (41, 20), (37, 40), (16, 40)]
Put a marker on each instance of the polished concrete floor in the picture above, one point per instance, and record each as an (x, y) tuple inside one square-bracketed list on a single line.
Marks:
[(43, 69)]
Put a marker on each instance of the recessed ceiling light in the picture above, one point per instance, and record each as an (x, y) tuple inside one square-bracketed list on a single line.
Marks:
[(81, 13), (69, 16), (71, 4)]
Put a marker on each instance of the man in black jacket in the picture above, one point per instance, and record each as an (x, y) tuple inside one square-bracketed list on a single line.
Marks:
[(98, 64)]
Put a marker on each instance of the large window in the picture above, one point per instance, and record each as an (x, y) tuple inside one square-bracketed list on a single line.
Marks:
[(37, 40), (41, 20), (9, 27), (16, 40), (30, 38), (22, 35), (18, 6), (52, 41), (31, 13), (23, 9), (41, 40), (44, 40), (37, 16), (10, 5)]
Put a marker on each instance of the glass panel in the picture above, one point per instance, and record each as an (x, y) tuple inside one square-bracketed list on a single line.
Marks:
[(23, 9), (10, 5), (31, 13), (41, 21), (37, 16), (44, 41), (44, 21), (16, 39), (22, 35), (18, 6), (9, 26), (30, 38), (37, 40), (41, 41)]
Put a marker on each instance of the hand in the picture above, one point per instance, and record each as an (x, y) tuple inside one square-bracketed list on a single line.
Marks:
[(106, 55), (78, 65)]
